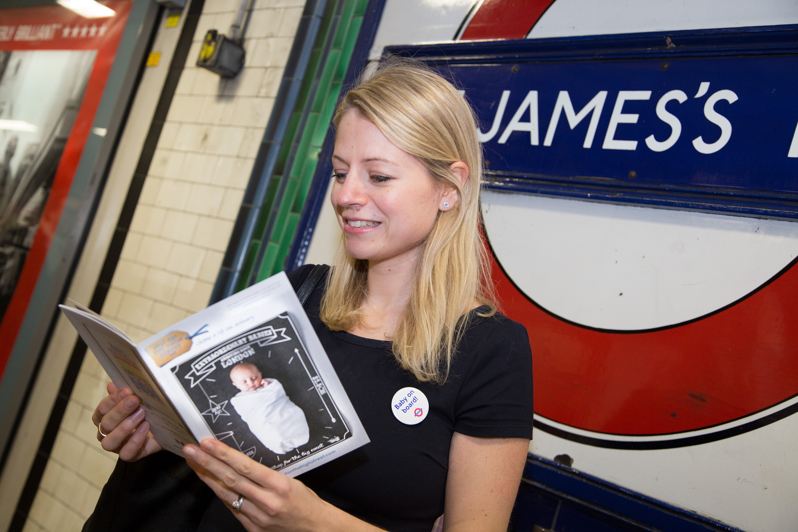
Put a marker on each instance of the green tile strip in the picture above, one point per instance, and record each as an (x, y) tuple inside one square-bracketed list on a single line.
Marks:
[(296, 164)]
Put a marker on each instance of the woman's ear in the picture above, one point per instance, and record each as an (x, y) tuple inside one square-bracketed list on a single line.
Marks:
[(451, 196)]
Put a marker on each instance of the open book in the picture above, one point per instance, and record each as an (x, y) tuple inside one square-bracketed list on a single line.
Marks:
[(248, 370)]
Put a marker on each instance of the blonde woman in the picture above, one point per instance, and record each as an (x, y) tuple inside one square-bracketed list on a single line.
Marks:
[(406, 314)]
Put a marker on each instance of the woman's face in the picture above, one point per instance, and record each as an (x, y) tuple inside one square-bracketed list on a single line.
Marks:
[(385, 200)]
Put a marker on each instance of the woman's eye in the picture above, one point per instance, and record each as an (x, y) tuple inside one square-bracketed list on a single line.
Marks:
[(339, 176), (380, 178)]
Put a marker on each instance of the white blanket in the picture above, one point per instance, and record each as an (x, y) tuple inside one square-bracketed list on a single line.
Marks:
[(273, 418)]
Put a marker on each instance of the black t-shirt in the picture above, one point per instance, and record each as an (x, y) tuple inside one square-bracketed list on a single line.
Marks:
[(397, 481)]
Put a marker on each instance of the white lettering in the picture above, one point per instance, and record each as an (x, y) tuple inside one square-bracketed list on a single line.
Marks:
[(6, 33), (670, 119), (497, 119), (719, 120), (563, 103), (530, 103), (619, 117), (794, 146)]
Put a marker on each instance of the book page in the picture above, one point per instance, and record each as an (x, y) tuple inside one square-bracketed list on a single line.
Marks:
[(297, 417), (124, 364)]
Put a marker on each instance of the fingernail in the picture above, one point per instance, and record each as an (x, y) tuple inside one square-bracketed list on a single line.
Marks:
[(190, 450), (138, 415)]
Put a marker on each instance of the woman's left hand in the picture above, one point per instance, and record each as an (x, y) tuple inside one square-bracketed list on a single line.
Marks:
[(271, 500)]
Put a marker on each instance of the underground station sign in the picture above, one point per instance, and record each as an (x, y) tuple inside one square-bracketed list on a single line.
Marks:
[(700, 120)]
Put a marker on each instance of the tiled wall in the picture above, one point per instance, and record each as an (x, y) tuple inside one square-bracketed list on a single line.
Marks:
[(180, 230)]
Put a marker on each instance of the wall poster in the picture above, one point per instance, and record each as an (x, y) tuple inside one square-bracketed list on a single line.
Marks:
[(54, 65)]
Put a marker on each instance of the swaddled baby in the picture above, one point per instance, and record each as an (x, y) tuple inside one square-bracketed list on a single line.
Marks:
[(271, 416)]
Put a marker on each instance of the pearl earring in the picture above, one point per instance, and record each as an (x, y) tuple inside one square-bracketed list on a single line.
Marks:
[(445, 205)]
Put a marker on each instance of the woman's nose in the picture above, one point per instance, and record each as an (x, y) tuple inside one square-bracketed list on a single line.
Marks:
[(350, 191)]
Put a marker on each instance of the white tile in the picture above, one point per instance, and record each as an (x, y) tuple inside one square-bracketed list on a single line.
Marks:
[(264, 23), (270, 83), (163, 315), (31, 526), (259, 53), (86, 431), (199, 167), (52, 472), (191, 137), (289, 21), (172, 194), (129, 276), (242, 172), (219, 6), (186, 109), (149, 192), (90, 499), (160, 160), (154, 250), (215, 109), (250, 143), (251, 112), (279, 49), (71, 489), (192, 294), (174, 164), (130, 248), (72, 416), (135, 310), (206, 83), (140, 217), (168, 135), (47, 512), (225, 140), (247, 83), (185, 259), (211, 266), (139, 334), (213, 233), (89, 389), (193, 52), (112, 300), (71, 522), (67, 450), (155, 220), (160, 285), (231, 204), (180, 226), (186, 82), (90, 366), (96, 466), (204, 200)]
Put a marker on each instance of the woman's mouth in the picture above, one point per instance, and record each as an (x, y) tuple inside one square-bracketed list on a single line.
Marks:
[(361, 224)]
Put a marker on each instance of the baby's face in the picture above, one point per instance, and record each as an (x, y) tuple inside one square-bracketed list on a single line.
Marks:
[(246, 379)]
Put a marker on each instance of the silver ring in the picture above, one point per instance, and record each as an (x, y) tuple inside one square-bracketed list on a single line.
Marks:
[(236, 504), (100, 430)]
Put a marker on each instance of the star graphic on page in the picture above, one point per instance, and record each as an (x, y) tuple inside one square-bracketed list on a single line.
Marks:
[(216, 410)]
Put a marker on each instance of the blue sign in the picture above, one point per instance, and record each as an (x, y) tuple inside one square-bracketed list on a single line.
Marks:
[(697, 120)]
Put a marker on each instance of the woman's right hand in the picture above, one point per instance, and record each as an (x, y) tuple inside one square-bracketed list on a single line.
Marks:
[(121, 427)]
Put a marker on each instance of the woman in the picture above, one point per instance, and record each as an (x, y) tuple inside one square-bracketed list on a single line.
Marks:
[(406, 312)]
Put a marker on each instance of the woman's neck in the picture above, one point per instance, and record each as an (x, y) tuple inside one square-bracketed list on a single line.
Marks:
[(389, 289)]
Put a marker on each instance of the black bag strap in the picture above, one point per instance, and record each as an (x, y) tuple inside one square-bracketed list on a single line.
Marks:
[(310, 282)]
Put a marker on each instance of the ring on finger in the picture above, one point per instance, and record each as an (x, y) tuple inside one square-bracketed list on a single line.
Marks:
[(236, 504), (100, 430)]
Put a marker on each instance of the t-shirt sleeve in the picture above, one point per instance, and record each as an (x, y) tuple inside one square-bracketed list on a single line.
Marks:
[(495, 399), (298, 275)]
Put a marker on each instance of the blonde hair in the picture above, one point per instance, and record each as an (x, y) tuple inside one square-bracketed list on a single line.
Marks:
[(425, 116)]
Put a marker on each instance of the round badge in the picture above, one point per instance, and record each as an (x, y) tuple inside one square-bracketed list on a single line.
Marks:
[(410, 406)]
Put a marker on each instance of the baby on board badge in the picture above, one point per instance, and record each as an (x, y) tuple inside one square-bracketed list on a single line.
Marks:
[(410, 406)]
